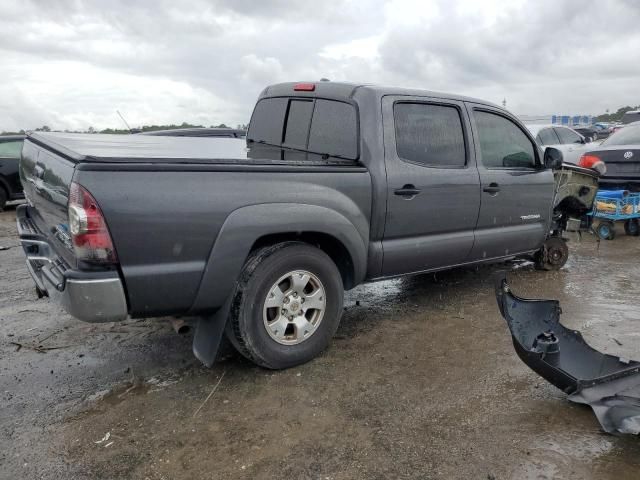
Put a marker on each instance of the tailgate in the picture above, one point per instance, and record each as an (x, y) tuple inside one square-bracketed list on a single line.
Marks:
[(46, 178)]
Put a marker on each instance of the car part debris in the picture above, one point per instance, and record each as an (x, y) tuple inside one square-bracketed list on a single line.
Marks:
[(607, 383)]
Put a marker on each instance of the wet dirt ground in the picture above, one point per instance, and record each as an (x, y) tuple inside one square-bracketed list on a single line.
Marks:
[(421, 381)]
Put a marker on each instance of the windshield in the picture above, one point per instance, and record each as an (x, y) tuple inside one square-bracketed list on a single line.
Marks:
[(629, 135)]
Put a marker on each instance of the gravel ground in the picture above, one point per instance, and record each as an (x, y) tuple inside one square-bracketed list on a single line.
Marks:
[(421, 381)]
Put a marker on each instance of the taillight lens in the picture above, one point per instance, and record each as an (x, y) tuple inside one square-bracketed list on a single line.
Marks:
[(594, 162), (89, 233)]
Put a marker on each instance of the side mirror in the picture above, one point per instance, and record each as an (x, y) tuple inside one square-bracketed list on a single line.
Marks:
[(552, 158)]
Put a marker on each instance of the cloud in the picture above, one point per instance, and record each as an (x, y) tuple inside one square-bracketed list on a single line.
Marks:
[(71, 64)]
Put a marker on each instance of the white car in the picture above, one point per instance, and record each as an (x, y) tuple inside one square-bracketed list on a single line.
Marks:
[(570, 142)]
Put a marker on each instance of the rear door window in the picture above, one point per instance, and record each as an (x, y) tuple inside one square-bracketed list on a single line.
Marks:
[(430, 135), (11, 149), (502, 143), (547, 137), (568, 136), (334, 129)]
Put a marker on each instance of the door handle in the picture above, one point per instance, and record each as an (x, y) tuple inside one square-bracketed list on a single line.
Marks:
[(407, 190), (492, 188)]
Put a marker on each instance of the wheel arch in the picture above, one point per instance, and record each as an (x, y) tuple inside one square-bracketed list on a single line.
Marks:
[(254, 226), (325, 242)]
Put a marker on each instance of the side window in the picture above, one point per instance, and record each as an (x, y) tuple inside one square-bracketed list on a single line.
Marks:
[(502, 143), (334, 129), (429, 134), (267, 121), (11, 149), (568, 136), (548, 137), (298, 119)]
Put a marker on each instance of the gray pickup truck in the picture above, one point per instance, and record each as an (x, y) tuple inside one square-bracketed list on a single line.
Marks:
[(336, 184)]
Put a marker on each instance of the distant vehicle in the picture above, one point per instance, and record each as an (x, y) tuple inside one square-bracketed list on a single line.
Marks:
[(570, 142), (621, 154), (199, 132), (335, 185), (589, 133), (603, 129), (630, 117), (10, 186)]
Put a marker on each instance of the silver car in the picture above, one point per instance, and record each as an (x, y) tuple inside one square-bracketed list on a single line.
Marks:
[(570, 142)]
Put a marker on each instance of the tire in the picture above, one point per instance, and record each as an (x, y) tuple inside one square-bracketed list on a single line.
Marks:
[(4, 197), (279, 336), (553, 255), (632, 227), (606, 231)]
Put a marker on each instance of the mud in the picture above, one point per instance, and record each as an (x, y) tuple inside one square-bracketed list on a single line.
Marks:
[(421, 381)]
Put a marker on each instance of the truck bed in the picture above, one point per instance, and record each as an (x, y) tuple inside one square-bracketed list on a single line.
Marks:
[(183, 211), (107, 148)]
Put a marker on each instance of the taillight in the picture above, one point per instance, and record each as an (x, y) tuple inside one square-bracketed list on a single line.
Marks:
[(89, 233), (594, 162)]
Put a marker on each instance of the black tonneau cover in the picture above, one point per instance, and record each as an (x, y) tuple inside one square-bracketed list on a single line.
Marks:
[(149, 149), (106, 148)]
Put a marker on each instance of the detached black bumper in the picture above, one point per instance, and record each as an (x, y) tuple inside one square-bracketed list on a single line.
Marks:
[(88, 296), (609, 384)]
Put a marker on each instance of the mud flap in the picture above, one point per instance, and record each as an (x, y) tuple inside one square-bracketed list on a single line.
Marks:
[(609, 384), (209, 332)]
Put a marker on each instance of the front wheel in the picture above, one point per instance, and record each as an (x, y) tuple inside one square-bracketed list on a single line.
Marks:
[(287, 305), (553, 255)]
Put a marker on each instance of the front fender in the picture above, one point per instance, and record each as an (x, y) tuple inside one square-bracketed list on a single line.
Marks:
[(245, 225)]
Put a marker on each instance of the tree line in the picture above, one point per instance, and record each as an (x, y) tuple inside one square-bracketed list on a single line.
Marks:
[(615, 116)]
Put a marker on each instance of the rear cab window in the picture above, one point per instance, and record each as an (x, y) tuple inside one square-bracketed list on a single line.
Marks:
[(306, 128), (430, 134), (503, 144), (11, 149)]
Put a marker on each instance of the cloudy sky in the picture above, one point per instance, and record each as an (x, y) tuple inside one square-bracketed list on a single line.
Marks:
[(72, 64)]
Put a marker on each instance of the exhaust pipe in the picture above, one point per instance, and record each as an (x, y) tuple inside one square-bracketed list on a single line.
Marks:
[(179, 326)]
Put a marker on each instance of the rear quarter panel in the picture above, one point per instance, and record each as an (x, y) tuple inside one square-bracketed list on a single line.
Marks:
[(164, 223)]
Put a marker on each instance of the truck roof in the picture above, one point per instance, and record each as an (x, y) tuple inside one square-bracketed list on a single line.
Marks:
[(347, 90)]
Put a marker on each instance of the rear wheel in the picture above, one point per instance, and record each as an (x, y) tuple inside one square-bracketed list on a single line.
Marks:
[(606, 231), (553, 255), (632, 227), (287, 305), (4, 197)]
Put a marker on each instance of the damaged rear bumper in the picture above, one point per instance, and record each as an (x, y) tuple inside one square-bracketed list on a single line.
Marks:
[(607, 383), (88, 296)]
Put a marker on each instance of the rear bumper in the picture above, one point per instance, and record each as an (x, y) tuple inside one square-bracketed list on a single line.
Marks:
[(88, 296)]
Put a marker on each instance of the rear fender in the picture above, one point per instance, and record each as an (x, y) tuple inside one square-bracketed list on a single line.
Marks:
[(244, 226)]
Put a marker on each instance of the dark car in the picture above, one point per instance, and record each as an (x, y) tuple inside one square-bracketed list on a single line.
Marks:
[(335, 185), (199, 132), (10, 186), (587, 132), (631, 117), (621, 155), (603, 130)]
